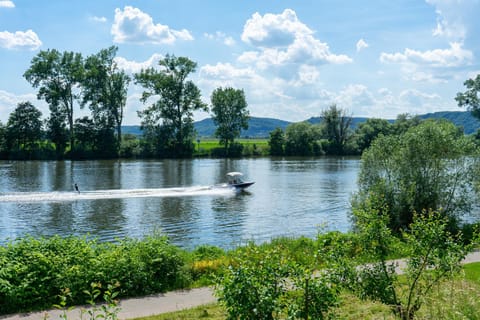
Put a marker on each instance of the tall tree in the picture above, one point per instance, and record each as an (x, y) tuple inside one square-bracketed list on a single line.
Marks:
[(105, 90), (470, 98), (336, 125), (230, 114), (24, 127), (58, 76), (172, 113)]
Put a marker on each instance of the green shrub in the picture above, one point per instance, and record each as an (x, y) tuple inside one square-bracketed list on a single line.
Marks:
[(265, 284), (35, 271)]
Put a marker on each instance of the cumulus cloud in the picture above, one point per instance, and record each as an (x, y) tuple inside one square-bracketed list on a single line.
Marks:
[(304, 95), (283, 39), (273, 30), (451, 57), (20, 40), (361, 44), (226, 71), (386, 104), (430, 66), (131, 25), (266, 96), (134, 67), (7, 4), (356, 97)]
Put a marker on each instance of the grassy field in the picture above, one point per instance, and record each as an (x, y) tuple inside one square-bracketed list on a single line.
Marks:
[(250, 146)]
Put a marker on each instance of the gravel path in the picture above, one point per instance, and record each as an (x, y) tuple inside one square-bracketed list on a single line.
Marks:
[(162, 303)]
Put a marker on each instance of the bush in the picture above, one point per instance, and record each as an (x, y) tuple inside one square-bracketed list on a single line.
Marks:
[(35, 271), (266, 284)]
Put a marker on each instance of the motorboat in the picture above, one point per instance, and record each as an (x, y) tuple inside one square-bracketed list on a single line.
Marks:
[(234, 179)]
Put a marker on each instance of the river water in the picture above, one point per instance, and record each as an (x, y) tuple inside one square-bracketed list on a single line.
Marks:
[(134, 198)]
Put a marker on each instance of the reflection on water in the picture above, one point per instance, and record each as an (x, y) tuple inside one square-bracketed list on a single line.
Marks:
[(291, 197)]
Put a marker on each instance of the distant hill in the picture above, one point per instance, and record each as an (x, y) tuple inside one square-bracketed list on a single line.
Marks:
[(261, 127), (257, 127), (463, 119)]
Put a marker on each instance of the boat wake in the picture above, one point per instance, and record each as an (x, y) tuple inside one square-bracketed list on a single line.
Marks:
[(60, 196)]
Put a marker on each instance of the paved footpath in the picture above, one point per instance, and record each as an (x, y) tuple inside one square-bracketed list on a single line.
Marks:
[(158, 304)]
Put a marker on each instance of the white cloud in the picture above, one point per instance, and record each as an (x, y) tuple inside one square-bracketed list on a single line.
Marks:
[(134, 66), (135, 26), (225, 71), (307, 75), (418, 102), (274, 30), (283, 39), (455, 18), (20, 40), (220, 36), (305, 96), (99, 19), (452, 57), (356, 95), (229, 41), (361, 44), (266, 96), (9, 101), (388, 105), (7, 4), (420, 76)]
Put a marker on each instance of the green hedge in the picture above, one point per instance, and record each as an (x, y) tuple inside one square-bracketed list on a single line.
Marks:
[(34, 272)]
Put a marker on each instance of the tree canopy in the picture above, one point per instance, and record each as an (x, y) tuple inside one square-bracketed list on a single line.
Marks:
[(302, 139), (105, 89), (58, 77), (229, 113), (170, 118), (24, 127), (470, 98), (432, 166)]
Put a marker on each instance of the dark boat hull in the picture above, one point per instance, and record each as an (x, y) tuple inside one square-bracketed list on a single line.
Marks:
[(242, 185)]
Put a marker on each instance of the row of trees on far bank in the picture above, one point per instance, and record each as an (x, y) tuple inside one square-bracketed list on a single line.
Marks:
[(334, 134), (24, 137), (67, 80)]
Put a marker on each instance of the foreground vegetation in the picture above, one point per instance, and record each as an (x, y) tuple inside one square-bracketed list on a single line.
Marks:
[(37, 274), (454, 299)]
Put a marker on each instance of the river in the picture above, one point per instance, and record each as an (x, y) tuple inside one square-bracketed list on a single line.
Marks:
[(134, 198)]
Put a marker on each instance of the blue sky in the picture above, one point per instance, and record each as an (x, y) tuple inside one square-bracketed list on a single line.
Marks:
[(293, 59)]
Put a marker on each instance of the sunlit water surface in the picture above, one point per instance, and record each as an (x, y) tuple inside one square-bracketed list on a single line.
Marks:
[(290, 197)]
